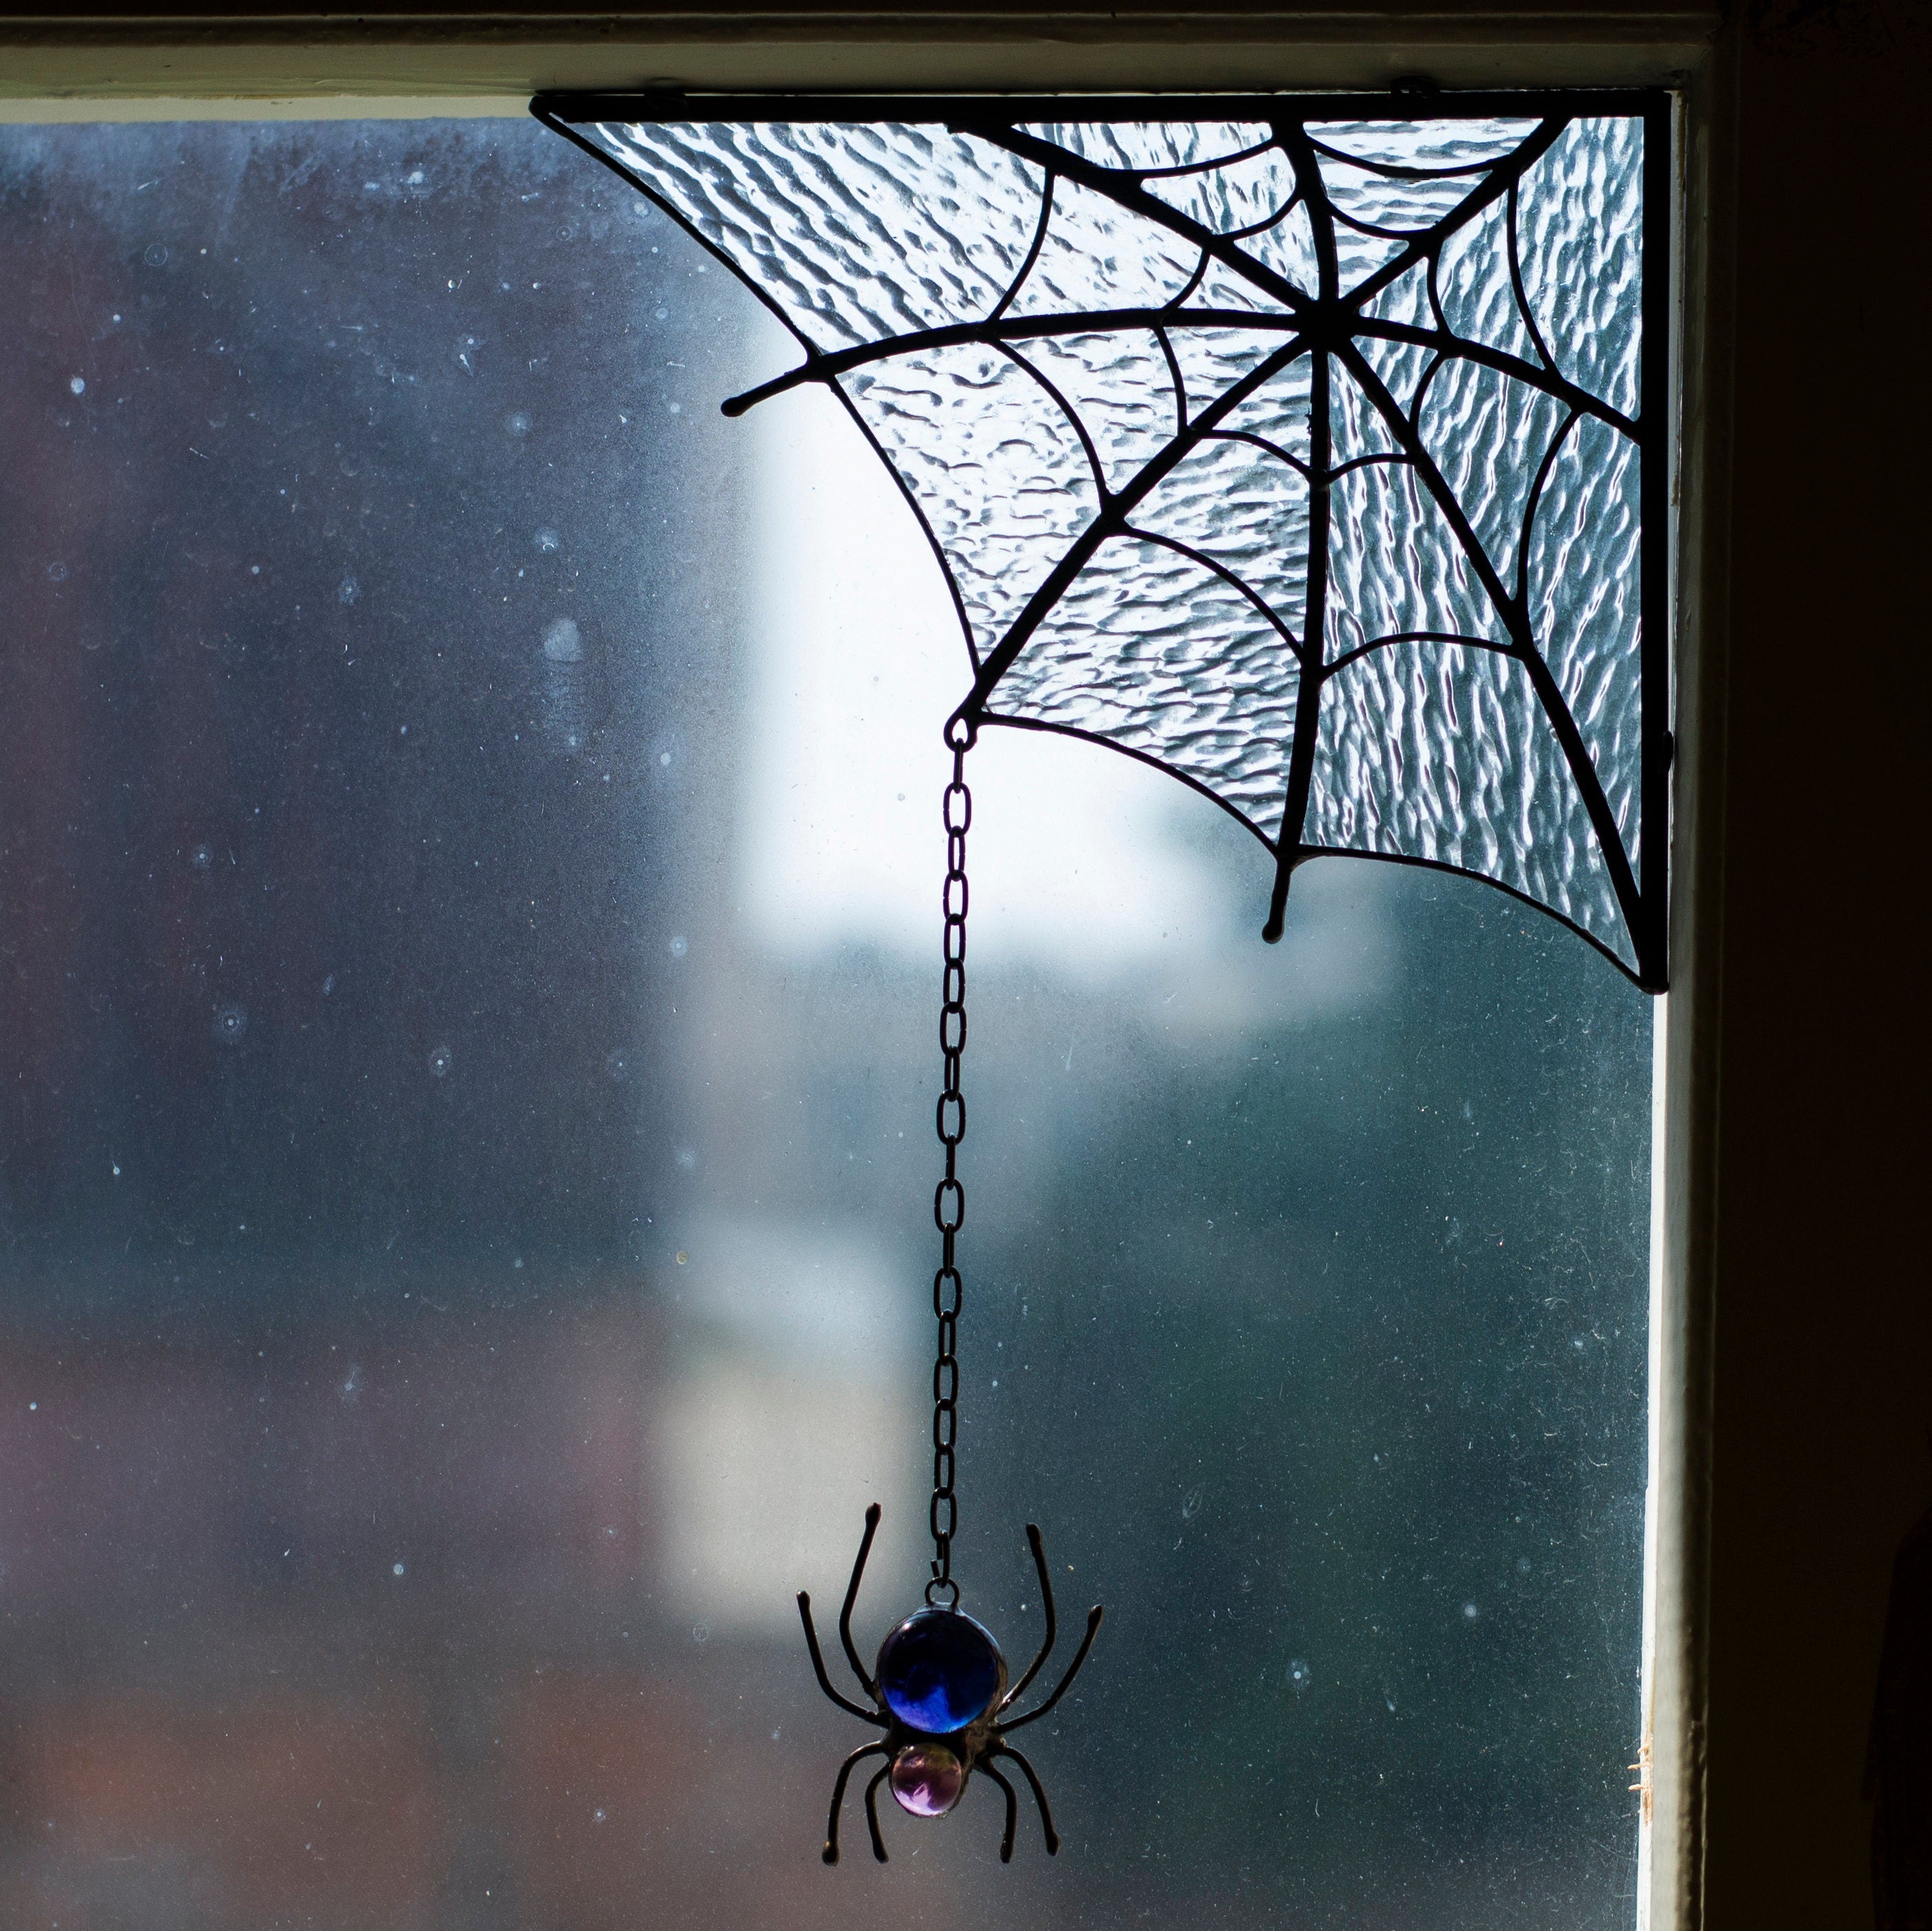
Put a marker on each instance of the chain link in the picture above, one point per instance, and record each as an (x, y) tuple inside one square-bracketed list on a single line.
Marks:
[(948, 1198)]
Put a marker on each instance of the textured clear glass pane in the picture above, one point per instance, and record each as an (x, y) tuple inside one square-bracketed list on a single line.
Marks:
[(1395, 202), (1245, 507), (1470, 144), (1118, 386), (1394, 564), (1488, 437), (854, 232), (1097, 254), (1474, 285), (468, 888), (1239, 195), (994, 465), (1581, 226), (1585, 580), (1139, 146), (1441, 752), (1160, 655)]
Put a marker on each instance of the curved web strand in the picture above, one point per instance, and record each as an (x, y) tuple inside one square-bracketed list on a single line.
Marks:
[(1300, 457)]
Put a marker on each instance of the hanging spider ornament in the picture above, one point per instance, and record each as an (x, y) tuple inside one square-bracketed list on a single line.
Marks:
[(940, 1692)]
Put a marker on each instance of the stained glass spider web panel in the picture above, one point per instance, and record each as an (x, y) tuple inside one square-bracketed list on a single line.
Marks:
[(1315, 451)]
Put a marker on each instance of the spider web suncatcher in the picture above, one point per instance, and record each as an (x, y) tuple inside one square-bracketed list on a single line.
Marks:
[(1314, 451)]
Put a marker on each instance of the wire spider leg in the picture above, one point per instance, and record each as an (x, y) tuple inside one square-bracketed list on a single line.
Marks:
[(830, 1853), (1012, 1811), (871, 1688), (872, 1814), (1039, 1797), (818, 1665), (1061, 1689), (1018, 1690)]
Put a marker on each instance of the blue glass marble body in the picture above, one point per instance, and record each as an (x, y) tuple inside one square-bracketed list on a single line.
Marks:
[(939, 1670)]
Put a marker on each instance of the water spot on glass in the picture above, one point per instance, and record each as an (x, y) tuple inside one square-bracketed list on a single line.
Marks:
[(202, 857), (677, 409), (57, 571), (79, 385), (616, 1064), (1523, 1565), (155, 255), (687, 1159), (1469, 1610), (397, 1570), (600, 1816), (254, 569), (1298, 1676), (679, 947), (664, 757), (563, 642), (681, 1259), (701, 1632), (329, 985), (1390, 1701), (31, 1406), (230, 1023), (1189, 1505), (348, 590), (548, 540), (516, 423), (439, 1061), (660, 313)]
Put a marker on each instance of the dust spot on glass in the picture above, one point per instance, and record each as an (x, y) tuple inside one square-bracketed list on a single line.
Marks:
[(57, 571), (397, 1570), (1390, 1701), (701, 1632), (439, 1061), (467, 346), (516, 423), (682, 1257), (1471, 1611), (1190, 1504), (329, 985), (1523, 1565), (687, 1159), (563, 642), (1298, 1676), (617, 1064), (348, 590), (548, 540), (155, 255), (230, 1023), (679, 946), (664, 757), (202, 857), (78, 384)]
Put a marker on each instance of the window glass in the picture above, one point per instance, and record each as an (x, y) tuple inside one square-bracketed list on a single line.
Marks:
[(469, 858)]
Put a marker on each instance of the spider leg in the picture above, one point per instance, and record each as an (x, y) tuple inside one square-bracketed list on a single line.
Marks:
[(858, 1756), (871, 1688), (1039, 1797), (1012, 1811), (1061, 1689), (818, 1665), (1013, 1695), (872, 1814)]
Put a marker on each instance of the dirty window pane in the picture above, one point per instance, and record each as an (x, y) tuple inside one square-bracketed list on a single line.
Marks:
[(468, 861)]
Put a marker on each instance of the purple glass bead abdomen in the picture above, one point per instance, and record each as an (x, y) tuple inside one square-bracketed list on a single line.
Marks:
[(938, 1671), (926, 1780)]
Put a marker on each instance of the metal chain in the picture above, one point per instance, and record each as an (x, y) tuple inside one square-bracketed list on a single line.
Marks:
[(948, 1198)]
